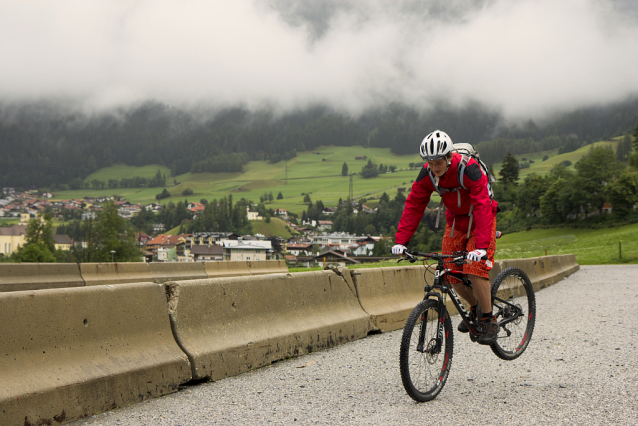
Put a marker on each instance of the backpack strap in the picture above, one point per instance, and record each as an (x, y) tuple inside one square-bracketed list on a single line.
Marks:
[(460, 171), (469, 226)]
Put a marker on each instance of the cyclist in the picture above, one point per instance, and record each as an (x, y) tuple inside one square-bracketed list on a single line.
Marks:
[(471, 224)]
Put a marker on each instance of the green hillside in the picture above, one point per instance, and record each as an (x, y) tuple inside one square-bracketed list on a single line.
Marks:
[(123, 171), (275, 228), (543, 167), (591, 246), (317, 173)]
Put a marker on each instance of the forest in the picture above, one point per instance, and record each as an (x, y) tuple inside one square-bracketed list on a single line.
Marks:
[(44, 145)]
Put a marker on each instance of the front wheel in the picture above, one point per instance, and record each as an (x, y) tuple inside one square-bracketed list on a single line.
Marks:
[(426, 351), (515, 310)]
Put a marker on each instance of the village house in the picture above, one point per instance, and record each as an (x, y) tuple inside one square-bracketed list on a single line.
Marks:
[(247, 250), (154, 207), (12, 238), (62, 242), (324, 225), (363, 246), (341, 240), (300, 249), (169, 247), (281, 213), (212, 238), (252, 214), (207, 253), (196, 208), (334, 256), (309, 222)]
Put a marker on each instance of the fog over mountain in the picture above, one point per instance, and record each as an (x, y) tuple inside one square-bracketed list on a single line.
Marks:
[(526, 58)]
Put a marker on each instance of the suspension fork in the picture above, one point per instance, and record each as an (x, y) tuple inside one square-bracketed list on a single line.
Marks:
[(441, 319)]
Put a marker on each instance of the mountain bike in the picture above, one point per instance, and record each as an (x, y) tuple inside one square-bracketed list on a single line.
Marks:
[(427, 343)]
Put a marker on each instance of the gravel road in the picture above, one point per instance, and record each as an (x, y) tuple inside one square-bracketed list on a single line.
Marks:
[(580, 368)]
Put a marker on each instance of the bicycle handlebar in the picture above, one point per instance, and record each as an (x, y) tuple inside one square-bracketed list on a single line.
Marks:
[(457, 257)]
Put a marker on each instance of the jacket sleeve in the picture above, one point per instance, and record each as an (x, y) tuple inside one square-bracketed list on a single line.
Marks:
[(482, 211), (415, 205)]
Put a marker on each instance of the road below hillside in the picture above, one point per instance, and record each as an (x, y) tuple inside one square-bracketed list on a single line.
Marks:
[(580, 368)]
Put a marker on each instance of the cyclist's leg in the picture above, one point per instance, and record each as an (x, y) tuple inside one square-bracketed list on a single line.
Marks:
[(482, 292), (479, 272), (450, 245)]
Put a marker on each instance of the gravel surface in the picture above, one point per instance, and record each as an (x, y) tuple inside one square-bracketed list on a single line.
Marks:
[(580, 368)]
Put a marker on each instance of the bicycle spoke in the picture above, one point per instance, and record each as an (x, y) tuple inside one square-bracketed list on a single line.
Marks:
[(515, 309), (424, 368)]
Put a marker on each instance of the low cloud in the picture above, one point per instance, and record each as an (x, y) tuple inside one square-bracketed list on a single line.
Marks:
[(526, 58)]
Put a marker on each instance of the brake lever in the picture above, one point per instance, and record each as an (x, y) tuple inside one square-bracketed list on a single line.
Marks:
[(409, 258)]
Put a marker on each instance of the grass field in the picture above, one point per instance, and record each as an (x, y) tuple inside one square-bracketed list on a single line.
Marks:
[(543, 167), (276, 228), (591, 246), (317, 173), (123, 171)]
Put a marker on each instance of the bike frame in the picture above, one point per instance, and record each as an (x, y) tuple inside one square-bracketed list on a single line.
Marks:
[(441, 283)]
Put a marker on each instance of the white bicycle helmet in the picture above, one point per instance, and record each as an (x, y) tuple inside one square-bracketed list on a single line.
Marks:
[(435, 145)]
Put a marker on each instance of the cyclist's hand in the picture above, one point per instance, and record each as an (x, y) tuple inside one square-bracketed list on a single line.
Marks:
[(476, 255), (398, 249)]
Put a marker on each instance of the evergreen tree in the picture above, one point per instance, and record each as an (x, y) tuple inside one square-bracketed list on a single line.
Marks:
[(280, 196), (624, 149), (509, 170), (344, 169)]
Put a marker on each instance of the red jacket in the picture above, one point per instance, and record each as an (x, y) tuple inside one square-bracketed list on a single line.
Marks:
[(477, 194)]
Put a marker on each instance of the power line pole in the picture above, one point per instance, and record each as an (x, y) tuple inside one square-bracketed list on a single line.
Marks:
[(351, 188)]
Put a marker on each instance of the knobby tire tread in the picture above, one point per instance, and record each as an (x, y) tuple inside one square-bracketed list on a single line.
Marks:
[(498, 350), (404, 357)]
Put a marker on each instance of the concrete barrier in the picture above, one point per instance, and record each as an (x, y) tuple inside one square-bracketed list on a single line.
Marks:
[(231, 325), (220, 269), (115, 273), (74, 352), (36, 276), (262, 267), (176, 271), (568, 263), (388, 295)]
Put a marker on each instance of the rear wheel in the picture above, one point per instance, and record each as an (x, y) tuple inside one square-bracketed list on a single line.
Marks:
[(515, 310), (426, 351)]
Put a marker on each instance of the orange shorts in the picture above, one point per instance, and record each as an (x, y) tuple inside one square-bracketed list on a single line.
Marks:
[(460, 242)]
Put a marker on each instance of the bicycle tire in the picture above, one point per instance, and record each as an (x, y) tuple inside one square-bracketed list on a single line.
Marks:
[(424, 373), (514, 287)]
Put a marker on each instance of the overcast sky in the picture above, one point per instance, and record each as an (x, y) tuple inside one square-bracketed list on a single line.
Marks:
[(527, 57)]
